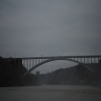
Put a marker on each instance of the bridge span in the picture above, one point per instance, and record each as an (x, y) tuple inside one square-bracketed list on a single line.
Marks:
[(30, 63), (18, 69)]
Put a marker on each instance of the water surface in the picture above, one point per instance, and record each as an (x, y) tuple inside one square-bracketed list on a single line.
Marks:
[(50, 93)]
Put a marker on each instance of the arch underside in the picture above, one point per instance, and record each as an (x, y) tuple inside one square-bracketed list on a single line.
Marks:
[(49, 60)]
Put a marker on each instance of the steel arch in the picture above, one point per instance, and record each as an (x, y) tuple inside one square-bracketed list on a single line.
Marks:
[(54, 59)]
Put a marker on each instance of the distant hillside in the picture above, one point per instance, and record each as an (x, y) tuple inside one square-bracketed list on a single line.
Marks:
[(76, 75)]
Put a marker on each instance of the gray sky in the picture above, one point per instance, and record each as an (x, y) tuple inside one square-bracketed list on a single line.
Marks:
[(50, 27)]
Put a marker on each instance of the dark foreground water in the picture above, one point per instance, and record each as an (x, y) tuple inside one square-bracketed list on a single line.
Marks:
[(50, 93)]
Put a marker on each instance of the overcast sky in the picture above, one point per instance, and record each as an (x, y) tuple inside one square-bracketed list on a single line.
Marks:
[(30, 28)]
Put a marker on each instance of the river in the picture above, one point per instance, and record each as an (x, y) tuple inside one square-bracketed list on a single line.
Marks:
[(50, 93)]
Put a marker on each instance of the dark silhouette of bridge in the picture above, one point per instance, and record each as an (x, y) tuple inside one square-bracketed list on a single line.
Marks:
[(87, 61), (30, 63), (20, 68)]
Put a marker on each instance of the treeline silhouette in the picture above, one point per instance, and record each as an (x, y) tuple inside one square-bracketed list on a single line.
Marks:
[(10, 72), (76, 75)]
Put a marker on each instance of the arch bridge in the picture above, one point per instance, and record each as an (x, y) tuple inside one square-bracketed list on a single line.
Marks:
[(30, 63), (89, 62)]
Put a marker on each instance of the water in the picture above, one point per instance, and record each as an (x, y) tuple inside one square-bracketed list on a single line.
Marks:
[(50, 93)]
